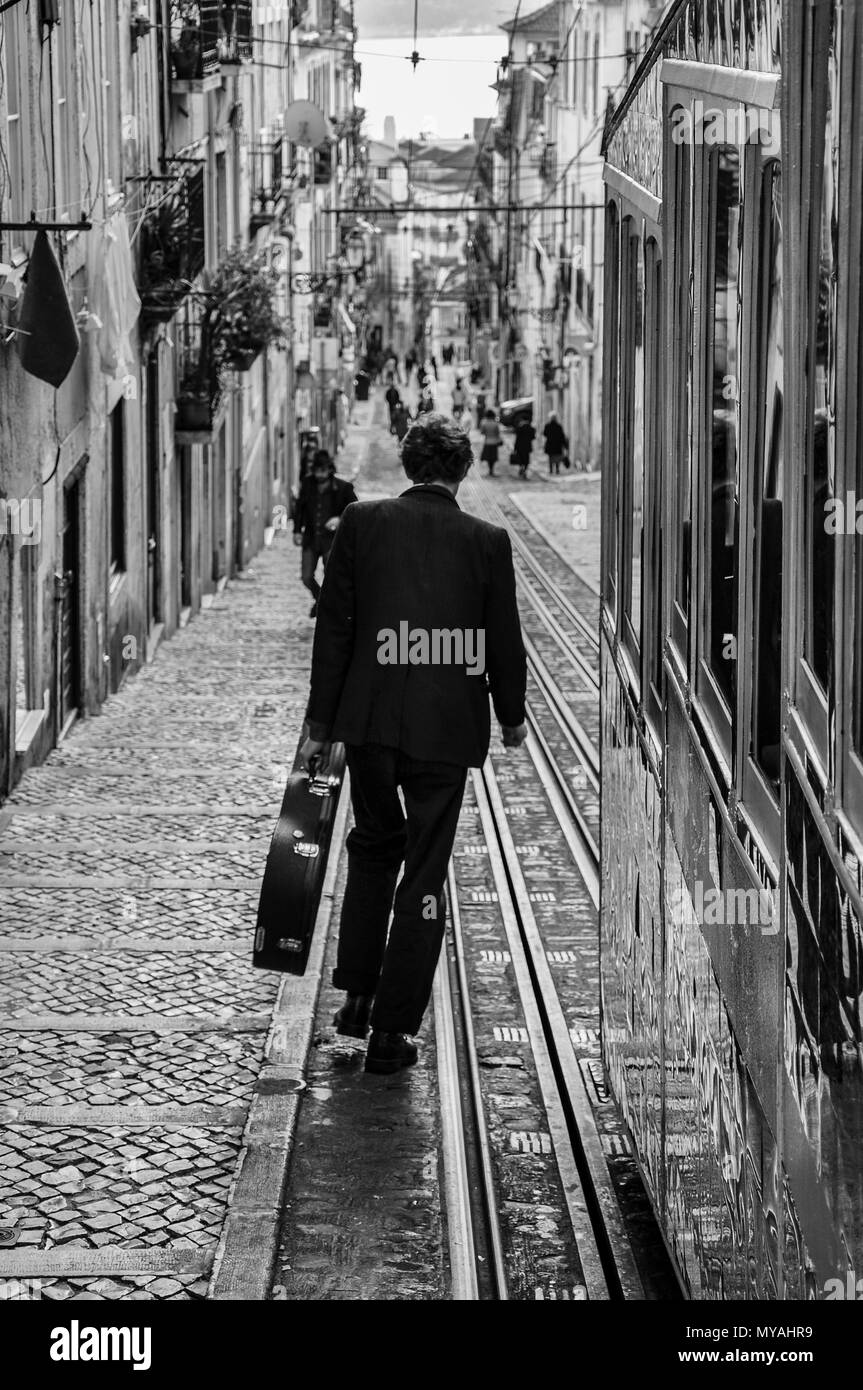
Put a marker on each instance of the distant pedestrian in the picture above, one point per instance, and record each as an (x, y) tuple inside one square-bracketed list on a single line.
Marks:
[(410, 363), (459, 398), (401, 421), (481, 404), (392, 398), (426, 403), (434, 366), (525, 434), (422, 376), (492, 440), (323, 497), (556, 443)]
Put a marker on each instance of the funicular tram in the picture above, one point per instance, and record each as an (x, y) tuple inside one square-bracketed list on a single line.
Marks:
[(732, 640)]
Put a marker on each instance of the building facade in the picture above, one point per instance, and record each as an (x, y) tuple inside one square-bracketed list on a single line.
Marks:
[(149, 137), (567, 63)]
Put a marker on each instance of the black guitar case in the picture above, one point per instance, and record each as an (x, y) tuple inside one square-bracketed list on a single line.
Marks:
[(296, 866)]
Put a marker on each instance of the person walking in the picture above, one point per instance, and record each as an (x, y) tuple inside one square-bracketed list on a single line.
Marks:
[(556, 443), (459, 398), (401, 421), (481, 403), (410, 722), (492, 437), (392, 397), (322, 501), (426, 402), (525, 434)]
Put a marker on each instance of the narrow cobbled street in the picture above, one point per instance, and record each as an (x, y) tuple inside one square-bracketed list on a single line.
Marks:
[(147, 1134)]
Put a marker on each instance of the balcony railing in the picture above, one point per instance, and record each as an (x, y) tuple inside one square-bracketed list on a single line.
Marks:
[(237, 26), (171, 244), (266, 177), (208, 33)]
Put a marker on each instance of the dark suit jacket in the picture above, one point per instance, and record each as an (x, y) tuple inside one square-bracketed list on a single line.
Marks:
[(418, 559), (339, 496)]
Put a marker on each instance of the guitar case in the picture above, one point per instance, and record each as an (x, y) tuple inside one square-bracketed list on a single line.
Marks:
[(296, 866)]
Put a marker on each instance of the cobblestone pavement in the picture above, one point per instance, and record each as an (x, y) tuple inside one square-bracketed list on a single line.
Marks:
[(133, 1025)]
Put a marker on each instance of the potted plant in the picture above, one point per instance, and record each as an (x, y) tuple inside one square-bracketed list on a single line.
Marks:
[(201, 383), (195, 406), (187, 51), (163, 281), (245, 318)]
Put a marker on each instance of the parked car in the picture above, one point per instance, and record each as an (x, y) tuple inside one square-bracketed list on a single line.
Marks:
[(512, 413)]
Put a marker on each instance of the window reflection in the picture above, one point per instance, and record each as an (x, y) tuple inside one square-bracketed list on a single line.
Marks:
[(653, 341), (768, 510), (612, 386), (822, 489), (722, 493), (636, 469), (684, 309)]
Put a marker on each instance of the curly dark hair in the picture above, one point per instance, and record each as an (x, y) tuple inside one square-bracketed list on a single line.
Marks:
[(436, 448)]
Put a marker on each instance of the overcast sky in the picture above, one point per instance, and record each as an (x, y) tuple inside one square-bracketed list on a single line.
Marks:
[(380, 18), (444, 94)]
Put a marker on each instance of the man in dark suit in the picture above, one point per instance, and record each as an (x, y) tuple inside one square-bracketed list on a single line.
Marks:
[(417, 625), (322, 500)]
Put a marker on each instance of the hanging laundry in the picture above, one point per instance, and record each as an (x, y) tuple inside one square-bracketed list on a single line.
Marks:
[(113, 297), (48, 341)]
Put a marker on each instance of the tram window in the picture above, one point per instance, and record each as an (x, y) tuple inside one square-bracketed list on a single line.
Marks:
[(683, 372), (821, 559), (722, 469), (632, 401), (655, 377), (610, 407), (767, 712), (858, 645)]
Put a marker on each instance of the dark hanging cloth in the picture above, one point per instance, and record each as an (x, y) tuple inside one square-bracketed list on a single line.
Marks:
[(48, 341)]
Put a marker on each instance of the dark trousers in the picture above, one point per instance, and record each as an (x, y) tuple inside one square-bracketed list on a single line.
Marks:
[(398, 971), (311, 555)]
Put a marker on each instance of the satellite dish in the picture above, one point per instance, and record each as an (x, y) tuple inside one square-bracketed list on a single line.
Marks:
[(305, 124)]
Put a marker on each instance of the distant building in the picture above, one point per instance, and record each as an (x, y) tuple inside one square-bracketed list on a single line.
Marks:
[(568, 61)]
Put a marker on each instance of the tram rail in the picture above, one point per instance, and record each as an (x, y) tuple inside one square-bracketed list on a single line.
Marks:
[(605, 1255)]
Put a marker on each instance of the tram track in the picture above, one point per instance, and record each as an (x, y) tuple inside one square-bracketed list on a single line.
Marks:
[(606, 1265), (607, 1268)]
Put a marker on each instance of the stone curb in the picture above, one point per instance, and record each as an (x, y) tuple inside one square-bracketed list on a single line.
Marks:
[(246, 1253)]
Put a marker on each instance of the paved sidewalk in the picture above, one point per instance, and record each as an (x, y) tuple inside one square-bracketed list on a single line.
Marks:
[(133, 1025)]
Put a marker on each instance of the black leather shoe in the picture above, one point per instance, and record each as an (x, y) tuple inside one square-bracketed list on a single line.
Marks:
[(352, 1019), (389, 1052)]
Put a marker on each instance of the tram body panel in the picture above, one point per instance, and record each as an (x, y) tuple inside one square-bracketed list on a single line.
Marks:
[(732, 698)]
